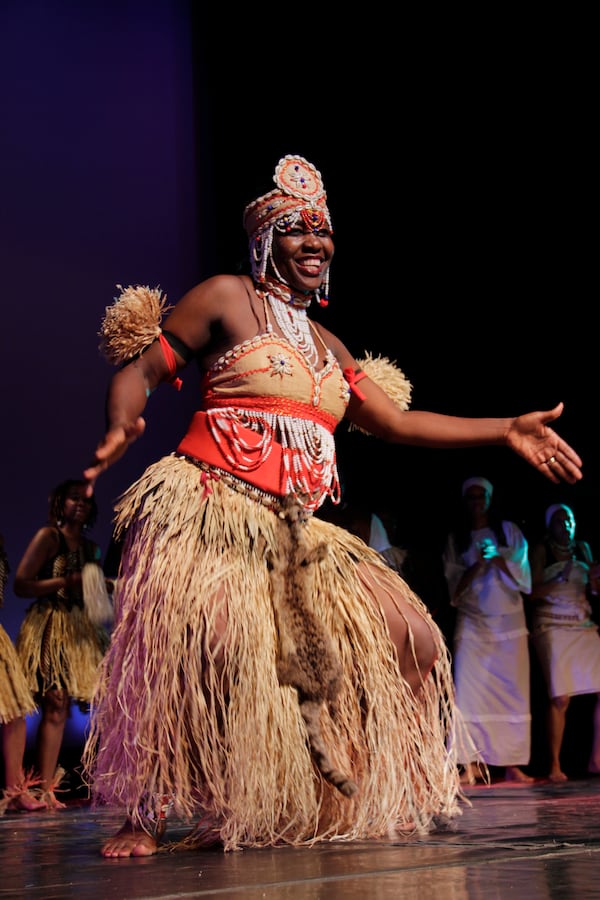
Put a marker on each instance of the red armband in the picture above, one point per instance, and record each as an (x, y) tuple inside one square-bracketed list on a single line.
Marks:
[(352, 377), (171, 363)]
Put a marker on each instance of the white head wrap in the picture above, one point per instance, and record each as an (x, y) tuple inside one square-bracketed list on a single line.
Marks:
[(482, 482), (554, 508)]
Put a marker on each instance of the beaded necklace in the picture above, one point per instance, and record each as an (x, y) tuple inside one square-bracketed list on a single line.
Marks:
[(558, 549), (289, 311)]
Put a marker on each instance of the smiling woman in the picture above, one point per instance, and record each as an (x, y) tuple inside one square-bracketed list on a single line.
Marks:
[(268, 672)]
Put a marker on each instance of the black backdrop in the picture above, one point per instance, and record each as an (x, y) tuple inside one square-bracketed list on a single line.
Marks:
[(459, 175)]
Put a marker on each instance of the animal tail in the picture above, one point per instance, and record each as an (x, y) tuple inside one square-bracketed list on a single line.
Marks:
[(311, 711)]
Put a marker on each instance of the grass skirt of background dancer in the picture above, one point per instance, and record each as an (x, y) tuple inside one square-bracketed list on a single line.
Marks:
[(227, 743), (16, 699), (60, 648)]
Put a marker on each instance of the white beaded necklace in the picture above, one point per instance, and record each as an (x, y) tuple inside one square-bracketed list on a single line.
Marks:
[(295, 326), (289, 311)]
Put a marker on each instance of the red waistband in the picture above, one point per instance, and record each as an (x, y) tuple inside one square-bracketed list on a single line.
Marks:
[(267, 472), (282, 406)]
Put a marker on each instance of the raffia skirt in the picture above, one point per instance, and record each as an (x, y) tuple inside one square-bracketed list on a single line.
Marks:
[(203, 722), (16, 699), (60, 648)]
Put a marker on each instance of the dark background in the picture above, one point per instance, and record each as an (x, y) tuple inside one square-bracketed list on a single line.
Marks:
[(459, 160)]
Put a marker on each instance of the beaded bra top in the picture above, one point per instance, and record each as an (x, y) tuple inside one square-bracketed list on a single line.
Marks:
[(267, 385), (269, 368)]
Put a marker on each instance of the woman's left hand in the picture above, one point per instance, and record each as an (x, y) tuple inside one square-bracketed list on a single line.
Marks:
[(531, 437)]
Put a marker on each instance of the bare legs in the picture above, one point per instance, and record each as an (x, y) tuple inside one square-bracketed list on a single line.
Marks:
[(14, 737), (55, 708), (417, 644), (557, 715), (411, 634)]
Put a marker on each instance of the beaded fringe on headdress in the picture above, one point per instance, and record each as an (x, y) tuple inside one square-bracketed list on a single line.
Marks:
[(206, 724)]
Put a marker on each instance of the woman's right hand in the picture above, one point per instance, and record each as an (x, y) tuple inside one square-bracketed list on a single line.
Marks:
[(112, 447)]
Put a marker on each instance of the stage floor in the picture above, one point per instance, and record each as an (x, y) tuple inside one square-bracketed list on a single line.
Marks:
[(518, 841)]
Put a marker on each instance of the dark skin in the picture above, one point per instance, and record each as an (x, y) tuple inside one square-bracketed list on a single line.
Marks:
[(217, 315), (43, 546), (562, 532), (477, 500)]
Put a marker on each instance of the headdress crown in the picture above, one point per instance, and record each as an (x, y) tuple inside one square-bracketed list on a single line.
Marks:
[(299, 191)]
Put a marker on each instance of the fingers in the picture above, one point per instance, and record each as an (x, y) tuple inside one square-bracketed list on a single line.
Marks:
[(560, 467), (112, 446), (558, 409)]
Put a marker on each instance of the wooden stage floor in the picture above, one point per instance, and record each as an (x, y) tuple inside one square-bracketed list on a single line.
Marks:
[(514, 841)]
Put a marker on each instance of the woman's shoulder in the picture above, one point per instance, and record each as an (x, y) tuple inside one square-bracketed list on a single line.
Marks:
[(216, 288), (48, 537), (585, 551), (513, 531), (49, 532)]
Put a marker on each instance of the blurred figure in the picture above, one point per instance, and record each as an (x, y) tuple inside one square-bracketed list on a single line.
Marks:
[(58, 644), (487, 567), (565, 579), (368, 525), (16, 702)]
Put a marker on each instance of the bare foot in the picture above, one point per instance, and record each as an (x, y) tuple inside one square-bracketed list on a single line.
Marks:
[(26, 802), (514, 773), (52, 801), (557, 777), (467, 776), (130, 841)]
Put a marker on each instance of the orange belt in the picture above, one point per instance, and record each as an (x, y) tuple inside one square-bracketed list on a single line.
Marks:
[(200, 444)]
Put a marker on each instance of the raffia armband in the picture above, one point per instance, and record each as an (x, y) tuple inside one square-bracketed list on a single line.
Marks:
[(132, 324), (388, 377)]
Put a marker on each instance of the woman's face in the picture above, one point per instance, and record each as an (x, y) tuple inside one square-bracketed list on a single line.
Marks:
[(562, 526), (477, 500), (303, 256), (77, 507)]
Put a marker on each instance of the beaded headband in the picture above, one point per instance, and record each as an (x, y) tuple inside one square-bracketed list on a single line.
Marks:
[(299, 193), (298, 197)]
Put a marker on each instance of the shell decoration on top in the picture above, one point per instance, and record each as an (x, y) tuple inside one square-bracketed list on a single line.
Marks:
[(133, 322)]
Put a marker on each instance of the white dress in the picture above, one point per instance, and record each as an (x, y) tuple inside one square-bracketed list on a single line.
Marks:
[(491, 652), (565, 637)]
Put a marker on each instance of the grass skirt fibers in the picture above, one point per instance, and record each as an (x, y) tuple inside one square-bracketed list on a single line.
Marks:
[(60, 648), (16, 699), (96, 600), (188, 706)]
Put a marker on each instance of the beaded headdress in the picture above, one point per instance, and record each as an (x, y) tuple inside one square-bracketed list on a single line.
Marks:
[(298, 197)]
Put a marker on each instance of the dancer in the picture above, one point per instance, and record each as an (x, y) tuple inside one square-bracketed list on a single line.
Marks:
[(566, 581), (279, 705), (16, 703), (487, 569), (59, 644)]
